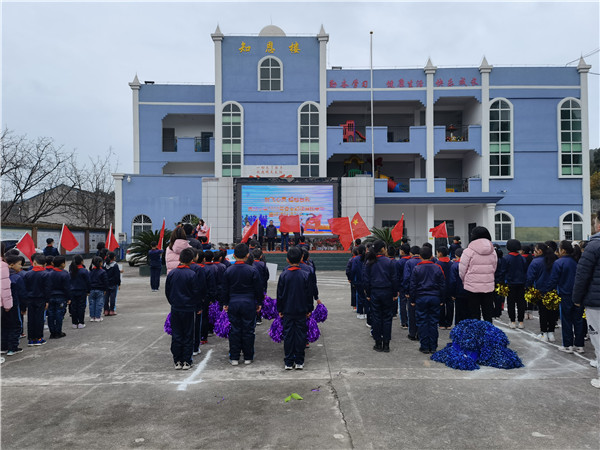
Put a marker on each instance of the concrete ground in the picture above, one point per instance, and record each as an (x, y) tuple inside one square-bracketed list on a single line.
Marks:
[(112, 385)]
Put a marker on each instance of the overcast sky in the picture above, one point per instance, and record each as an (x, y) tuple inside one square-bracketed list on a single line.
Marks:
[(66, 66)]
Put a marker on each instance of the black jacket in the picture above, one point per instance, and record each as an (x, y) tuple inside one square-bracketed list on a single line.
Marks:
[(183, 289), (60, 284), (242, 281), (427, 279), (271, 231), (294, 291), (587, 277)]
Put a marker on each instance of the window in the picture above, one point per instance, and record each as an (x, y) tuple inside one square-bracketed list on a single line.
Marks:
[(270, 74), (501, 139), (571, 227), (232, 141), (503, 226), (571, 154), (309, 140), (190, 218), (140, 224), (169, 140), (202, 143)]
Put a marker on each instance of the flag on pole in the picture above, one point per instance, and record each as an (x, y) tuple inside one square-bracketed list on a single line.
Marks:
[(439, 231), (341, 227), (161, 236), (111, 242), (289, 224), (314, 222), (208, 235), (359, 227), (251, 231), (67, 239), (398, 230), (26, 245)]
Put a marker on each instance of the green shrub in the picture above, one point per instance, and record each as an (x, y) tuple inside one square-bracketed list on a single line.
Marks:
[(141, 244)]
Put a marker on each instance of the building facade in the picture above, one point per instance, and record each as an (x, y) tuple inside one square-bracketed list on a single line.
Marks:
[(502, 147)]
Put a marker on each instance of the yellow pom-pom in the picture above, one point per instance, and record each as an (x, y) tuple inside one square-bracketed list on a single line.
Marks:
[(551, 300), (584, 316), (502, 290), (532, 295)]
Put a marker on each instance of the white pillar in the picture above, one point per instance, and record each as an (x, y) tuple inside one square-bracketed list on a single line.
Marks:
[(118, 226), (429, 162), (430, 221), (323, 39), (217, 38), (488, 217), (583, 70), (135, 88), (484, 70)]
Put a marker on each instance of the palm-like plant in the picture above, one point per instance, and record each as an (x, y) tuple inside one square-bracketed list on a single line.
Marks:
[(384, 234), (141, 245)]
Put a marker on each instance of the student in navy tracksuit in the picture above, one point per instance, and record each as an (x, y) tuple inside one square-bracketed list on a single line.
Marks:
[(391, 254), (307, 266), (60, 297), (457, 289), (242, 297), (562, 278), (155, 261), (11, 320), (363, 307), (80, 288), (538, 275), (349, 277), (498, 279), (447, 310), (527, 254), (182, 288), (36, 292), (514, 277), (259, 264), (400, 263), (381, 288), (113, 275), (211, 271), (427, 287), (410, 264), (294, 304), (98, 287)]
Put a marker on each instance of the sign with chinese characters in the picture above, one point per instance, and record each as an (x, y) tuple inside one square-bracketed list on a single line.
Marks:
[(270, 171), (402, 83), (294, 47)]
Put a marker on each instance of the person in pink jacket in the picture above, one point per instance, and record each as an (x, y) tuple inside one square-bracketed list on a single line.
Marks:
[(177, 243), (5, 293), (477, 267)]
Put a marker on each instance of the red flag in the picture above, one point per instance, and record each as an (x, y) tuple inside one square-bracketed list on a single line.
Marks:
[(161, 236), (439, 231), (289, 224), (26, 245), (315, 222), (398, 230), (341, 227), (251, 231), (111, 242), (208, 235), (67, 240), (359, 227)]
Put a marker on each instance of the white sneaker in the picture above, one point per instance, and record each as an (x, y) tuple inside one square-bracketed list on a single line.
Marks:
[(596, 382), (81, 325), (521, 326), (542, 337), (196, 353), (186, 366), (565, 349), (74, 326), (579, 350), (299, 366), (551, 337), (247, 361), (92, 319), (288, 367), (234, 362), (178, 366), (359, 316), (368, 326), (513, 325), (594, 363)]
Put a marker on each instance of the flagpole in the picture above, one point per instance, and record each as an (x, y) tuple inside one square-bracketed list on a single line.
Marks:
[(60, 239), (351, 231), (372, 133)]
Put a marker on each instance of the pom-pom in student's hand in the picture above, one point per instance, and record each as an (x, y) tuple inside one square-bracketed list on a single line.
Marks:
[(551, 300), (276, 330), (532, 295), (320, 313), (312, 330), (222, 325), (214, 309), (269, 308), (167, 325)]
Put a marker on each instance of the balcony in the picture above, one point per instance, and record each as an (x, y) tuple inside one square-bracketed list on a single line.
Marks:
[(466, 137), (200, 149), (413, 141)]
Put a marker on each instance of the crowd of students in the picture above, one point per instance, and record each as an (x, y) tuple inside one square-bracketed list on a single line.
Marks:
[(45, 291)]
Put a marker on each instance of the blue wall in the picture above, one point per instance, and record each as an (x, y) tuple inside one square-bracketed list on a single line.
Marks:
[(177, 93), (538, 76)]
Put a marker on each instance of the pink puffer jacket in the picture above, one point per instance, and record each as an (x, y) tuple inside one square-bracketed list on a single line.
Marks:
[(478, 265), (172, 256), (5, 293)]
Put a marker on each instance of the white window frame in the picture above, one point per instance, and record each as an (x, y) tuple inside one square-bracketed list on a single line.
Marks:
[(512, 131), (316, 105), (280, 73), (241, 137), (512, 225), (559, 138), (140, 224), (562, 224), (188, 215)]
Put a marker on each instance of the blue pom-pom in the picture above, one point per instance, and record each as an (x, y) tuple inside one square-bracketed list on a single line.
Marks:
[(276, 330), (269, 308), (320, 313), (214, 309), (222, 325), (312, 330), (167, 326)]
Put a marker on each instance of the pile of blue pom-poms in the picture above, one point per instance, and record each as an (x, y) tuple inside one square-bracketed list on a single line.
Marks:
[(477, 342)]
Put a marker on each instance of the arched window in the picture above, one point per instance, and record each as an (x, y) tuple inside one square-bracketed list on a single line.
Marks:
[(504, 226), (140, 224), (270, 74), (190, 218), (571, 226), (308, 125), (569, 136), (501, 150), (232, 140)]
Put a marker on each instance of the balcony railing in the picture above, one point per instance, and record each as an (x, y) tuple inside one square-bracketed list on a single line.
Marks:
[(457, 133), (169, 144), (457, 185), (398, 185), (398, 134)]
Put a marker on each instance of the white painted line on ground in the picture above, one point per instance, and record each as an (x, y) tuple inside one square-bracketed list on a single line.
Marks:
[(182, 385)]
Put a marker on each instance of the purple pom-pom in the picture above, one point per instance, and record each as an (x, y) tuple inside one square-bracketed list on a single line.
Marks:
[(269, 308), (222, 325), (276, 330), (320, 313), (167, 326), (312, 332), (214, 309)]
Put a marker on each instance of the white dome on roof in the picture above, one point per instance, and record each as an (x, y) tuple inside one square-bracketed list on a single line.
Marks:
[(271, 30)]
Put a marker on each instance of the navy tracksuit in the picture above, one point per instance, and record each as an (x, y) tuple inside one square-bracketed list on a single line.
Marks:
[(562, 278), (352, 287), (113, 275), (427, 286), (357, 273), (538, 276), (212, 276), (155, 260), (312, 280), (458, 291), (36, 293), (11, 320), (447, 310), (80, 288), (514, 272), (294, 301), (400, 263), (381, 286), (408, 268), (242, 293), (183, 288), (60, 294), (261, 267)]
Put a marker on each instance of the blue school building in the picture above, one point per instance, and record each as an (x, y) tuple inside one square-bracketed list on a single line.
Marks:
[(502, 147)]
